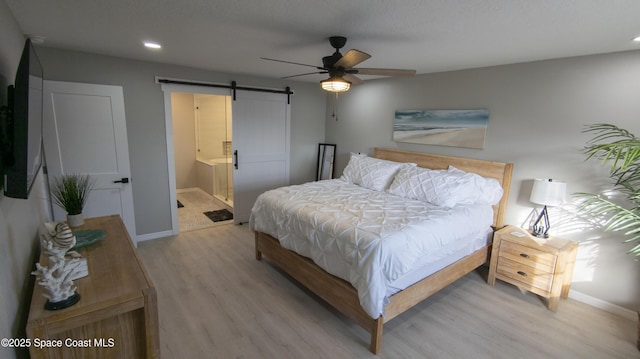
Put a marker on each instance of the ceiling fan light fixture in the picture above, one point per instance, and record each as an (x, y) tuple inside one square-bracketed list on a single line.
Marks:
[(335, 84)]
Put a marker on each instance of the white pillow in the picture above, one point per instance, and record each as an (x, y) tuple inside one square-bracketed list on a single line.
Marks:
[(488, 190), (418, 183), (445, 188), (350, 173), (372, 173)]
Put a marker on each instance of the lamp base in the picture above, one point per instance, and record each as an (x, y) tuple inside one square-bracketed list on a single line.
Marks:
[(541, 230), (539, 234)]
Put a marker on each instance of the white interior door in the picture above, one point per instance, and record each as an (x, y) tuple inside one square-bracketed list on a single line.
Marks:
[(260, 147), (85, 132)]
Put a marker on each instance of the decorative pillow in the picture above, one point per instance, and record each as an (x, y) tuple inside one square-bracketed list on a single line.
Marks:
[(350, 173), (488, 190), (372, 173), (417, 183), (445, 188)]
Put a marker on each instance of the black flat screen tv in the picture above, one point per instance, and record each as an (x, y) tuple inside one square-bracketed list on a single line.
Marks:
[(22, 127)]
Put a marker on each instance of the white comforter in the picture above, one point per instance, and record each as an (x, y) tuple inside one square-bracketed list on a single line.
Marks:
[(368, 238)]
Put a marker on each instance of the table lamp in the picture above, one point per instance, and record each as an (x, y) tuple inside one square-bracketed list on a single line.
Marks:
[(547, 193)]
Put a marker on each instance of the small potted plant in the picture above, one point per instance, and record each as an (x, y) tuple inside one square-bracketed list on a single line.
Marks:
[(71, 192)]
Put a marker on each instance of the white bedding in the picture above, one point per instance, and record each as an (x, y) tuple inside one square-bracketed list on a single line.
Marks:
[(368, 238)]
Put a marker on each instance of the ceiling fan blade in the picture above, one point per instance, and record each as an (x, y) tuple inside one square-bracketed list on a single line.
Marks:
[(383, 72), (308, 73), (355, 80), (295, 63), (351, 59)]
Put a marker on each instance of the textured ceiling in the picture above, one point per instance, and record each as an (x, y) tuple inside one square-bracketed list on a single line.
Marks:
[(425, 35)]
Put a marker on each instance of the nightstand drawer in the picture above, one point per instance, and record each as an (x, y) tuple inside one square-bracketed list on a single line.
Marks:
[(528, 276), (541, 266), (541, 261)]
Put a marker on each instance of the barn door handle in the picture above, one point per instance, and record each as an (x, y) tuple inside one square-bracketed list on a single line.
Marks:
[(123, 180), (235, 155)]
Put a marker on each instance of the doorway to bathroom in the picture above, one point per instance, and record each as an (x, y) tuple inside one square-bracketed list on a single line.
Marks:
[(202, 133), (260, 141)]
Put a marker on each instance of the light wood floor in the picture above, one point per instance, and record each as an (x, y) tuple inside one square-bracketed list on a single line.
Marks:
[(216, 301)]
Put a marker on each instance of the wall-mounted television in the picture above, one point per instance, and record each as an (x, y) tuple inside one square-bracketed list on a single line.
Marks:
[(22, 127)]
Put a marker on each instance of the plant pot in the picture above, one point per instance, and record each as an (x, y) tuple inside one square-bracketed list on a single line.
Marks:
[(75, 220)]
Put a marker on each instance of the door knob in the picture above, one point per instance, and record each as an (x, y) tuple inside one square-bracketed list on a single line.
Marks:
[(123, 180)]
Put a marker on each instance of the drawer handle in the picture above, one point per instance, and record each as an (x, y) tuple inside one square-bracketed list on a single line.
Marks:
[(522, 273), (524, 255)]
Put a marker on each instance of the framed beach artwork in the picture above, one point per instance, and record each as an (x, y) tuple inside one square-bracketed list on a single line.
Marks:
[(457, 128)]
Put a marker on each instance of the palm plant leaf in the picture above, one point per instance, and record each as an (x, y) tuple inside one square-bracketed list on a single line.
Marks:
[(622, 145), (621, 149), (614, 216)]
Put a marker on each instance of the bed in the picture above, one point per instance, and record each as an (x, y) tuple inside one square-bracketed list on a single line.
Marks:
[(361, 275)]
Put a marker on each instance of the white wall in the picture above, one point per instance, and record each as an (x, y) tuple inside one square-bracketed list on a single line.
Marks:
[(537, 112), (19, 219), (144, 109), (212, 125), (184, 139)]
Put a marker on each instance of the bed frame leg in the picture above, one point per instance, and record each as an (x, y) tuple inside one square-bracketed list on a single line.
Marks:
[(376, 335)]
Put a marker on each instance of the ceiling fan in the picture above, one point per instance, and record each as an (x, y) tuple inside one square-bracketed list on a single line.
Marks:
[(342, 73)]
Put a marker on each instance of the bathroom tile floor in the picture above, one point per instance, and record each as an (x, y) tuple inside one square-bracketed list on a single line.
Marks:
[(196, 201)]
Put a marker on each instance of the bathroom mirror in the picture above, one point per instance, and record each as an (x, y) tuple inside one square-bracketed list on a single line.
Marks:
[(326, 155)]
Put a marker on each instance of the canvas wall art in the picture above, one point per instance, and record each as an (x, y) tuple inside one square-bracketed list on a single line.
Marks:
[(458, 128)]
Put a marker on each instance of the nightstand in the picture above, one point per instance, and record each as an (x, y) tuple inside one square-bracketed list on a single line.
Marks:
[(543, 266)]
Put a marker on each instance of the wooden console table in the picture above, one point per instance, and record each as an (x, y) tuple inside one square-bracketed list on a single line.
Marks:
[(117, 315)]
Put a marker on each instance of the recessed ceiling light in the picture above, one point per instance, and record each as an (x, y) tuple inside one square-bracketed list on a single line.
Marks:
[(637, 38), (152, 45)]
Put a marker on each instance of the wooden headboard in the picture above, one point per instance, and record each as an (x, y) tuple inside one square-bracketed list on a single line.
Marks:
[(490, 169)]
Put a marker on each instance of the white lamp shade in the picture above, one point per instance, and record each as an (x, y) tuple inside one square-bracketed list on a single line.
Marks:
[(547, 192)]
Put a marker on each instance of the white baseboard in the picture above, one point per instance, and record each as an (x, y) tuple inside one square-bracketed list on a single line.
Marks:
[(149, 236), (604, 305)]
